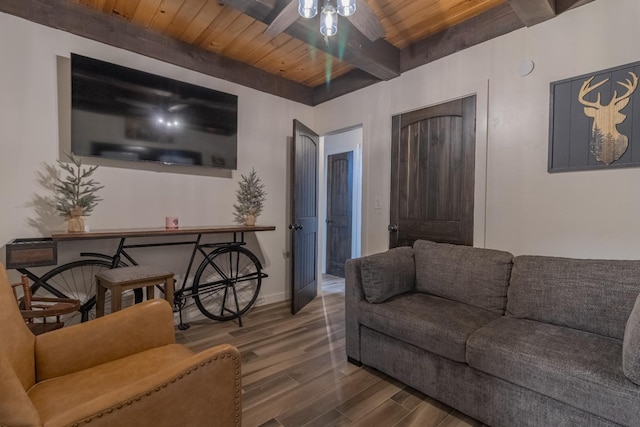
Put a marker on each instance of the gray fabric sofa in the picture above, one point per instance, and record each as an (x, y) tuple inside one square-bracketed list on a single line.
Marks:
[(510, 341)]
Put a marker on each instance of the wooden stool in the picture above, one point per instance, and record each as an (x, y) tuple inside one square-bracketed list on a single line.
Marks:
[(121, 279)]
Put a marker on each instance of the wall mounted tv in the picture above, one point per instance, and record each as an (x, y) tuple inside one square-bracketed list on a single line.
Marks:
[(125, 114)]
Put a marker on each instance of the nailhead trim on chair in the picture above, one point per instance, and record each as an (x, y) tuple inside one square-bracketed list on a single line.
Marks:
[(121, 405)]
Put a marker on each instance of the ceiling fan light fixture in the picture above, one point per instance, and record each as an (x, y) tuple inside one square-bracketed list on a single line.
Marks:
[(308, 8), (328, 21), (346, 7)]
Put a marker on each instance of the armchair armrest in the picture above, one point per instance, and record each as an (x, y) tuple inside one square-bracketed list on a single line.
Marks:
[(204, 389), (132, 330)]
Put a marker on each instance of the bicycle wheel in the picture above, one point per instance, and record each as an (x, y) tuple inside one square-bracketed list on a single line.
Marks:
[(226, 274), (77, 280)]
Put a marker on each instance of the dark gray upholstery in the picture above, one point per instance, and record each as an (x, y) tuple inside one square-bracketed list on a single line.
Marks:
[(561, 362), (435, 324), (591, 295), (578, 368), (388, 274), (484, 397), (631, 345), (474, 276), (353, 294)]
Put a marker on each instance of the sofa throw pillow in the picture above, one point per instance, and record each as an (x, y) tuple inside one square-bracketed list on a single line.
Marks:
[(631, 345), (388, 274), (473, 276)]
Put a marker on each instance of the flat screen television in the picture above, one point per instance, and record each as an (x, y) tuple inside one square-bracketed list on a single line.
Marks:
[(125, 114)]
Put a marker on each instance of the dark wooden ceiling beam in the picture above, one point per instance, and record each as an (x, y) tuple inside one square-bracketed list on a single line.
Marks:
[(346, 83), (85, 22), (564, 5), (532, 12), (379, 58), (486, 26), (493, 23)]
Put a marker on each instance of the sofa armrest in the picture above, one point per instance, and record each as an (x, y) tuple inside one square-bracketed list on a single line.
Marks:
[(202, 390), (353, 294), (129, 331)]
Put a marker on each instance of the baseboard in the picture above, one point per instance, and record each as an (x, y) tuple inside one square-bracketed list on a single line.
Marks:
[(270, 299)]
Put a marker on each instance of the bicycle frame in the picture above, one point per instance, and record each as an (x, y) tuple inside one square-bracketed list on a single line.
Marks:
[(121, 257), (184, 291)]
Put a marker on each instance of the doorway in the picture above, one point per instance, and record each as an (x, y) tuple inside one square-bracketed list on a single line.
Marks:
[(339, 220), (432, 174), (342, 157)]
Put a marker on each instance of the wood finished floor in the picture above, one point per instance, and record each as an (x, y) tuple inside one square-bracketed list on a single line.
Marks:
[(295, 371)]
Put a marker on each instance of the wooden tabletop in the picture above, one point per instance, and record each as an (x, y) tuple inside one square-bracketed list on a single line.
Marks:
[(150, 232)]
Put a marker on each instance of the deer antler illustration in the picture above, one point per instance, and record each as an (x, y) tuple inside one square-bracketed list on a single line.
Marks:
[(607, 144)]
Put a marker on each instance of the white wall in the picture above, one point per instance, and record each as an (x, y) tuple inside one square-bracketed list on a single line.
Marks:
[(133, 198), (582, 214)]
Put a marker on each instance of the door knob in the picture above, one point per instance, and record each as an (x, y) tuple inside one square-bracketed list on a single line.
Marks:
[(328, 221), (298, 227), (295, 227), (392, 228)]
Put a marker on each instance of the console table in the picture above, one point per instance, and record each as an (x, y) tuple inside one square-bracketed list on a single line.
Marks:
[(25, 253)]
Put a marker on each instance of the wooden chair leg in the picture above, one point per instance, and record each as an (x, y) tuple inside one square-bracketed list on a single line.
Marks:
[(168, 290), (116, 298), (101, 292)]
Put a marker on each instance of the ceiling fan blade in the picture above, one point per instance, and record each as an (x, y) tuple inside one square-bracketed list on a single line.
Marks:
[(366, 21), (288, 16)]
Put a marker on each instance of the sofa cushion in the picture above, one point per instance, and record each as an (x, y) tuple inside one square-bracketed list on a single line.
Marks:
[(474, 276), (434, 324), (575, 367), (631, 345), (388, 274), (591, 295)]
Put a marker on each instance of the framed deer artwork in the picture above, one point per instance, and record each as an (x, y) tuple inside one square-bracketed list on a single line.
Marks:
[(595, 121)]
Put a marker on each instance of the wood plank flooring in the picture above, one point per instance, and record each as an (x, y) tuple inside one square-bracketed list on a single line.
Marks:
[(295, 371)]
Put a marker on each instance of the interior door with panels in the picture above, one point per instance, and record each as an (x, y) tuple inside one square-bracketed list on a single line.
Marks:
[(304, 229), (432, 174), (339, 211)]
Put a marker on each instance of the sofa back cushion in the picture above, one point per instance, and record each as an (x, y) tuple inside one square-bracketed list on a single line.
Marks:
[(631, 345), (474, 276), (388, 274), (591, 295)]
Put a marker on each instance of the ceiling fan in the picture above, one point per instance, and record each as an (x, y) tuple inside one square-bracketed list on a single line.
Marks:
[(357, 11)]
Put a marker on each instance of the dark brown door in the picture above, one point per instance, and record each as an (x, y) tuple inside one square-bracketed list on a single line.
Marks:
[(432, 174), (304, 229), (339, 208)]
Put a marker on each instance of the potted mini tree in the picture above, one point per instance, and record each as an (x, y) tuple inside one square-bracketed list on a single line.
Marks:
[(75, 194), (251, 196)]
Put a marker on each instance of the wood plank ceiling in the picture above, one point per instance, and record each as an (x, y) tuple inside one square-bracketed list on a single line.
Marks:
[(226, 38)]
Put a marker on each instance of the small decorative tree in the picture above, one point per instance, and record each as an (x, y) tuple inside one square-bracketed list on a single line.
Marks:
[(75, 194), (251, 196)]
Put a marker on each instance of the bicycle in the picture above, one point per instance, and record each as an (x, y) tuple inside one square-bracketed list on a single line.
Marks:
[(226, 283)]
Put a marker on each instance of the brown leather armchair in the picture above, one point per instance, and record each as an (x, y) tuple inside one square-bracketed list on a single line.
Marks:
[(124, 369)]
